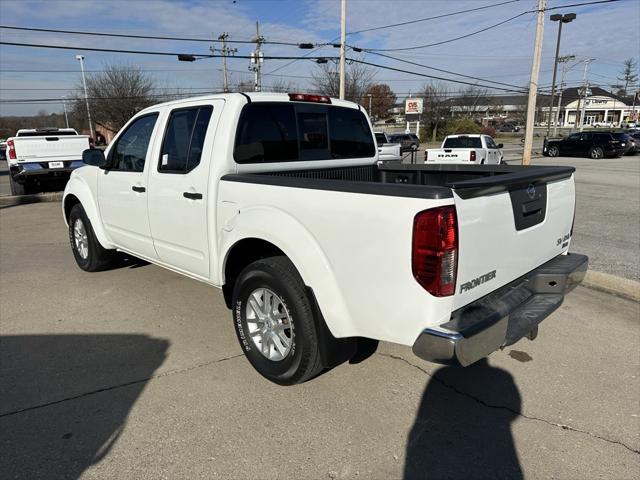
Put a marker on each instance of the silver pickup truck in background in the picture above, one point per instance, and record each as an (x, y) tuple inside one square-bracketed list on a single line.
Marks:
[(41, 155), (387, 151)]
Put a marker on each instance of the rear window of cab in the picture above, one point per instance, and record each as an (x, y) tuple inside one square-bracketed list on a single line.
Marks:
[(270, 132)]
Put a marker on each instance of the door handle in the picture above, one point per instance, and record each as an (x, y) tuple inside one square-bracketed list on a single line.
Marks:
[(192, 196), (138, 189)]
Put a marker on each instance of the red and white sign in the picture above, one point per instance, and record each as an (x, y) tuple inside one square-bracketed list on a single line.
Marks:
[(413, 105)]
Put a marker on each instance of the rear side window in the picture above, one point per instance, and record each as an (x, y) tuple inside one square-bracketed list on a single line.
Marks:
[(184, 139), (281, 132), (267, 133), (463, 142)]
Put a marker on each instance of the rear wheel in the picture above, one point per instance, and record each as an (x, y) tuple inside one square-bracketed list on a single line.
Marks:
[(89, 254), (553, 151), (17, 188), (596, 153), (274, 321)]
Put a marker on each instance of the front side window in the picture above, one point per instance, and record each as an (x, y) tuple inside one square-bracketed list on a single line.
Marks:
[(130, 151), (574, 137), (184, 139), (490, 142)]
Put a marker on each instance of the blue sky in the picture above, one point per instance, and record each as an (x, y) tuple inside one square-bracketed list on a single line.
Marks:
[(609, 33)]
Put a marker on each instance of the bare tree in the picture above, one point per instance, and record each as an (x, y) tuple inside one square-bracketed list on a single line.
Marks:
[(358, 79), (382, 100), (115, 95), (436, 107), (628, 75), (243, 86), (473, 100), (281, 86)]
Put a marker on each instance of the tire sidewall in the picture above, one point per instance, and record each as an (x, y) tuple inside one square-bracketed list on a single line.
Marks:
[(554, 151), (78, 213), (596, 149), (249, 281)]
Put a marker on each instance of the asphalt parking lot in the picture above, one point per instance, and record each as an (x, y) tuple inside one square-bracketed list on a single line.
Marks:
[(136, 373)]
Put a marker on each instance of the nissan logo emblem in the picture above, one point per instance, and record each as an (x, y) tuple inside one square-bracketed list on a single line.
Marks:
[(531, 191)]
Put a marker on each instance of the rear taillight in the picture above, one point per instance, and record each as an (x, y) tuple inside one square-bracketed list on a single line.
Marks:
[(473, 156), (434, 254), (11, 149)]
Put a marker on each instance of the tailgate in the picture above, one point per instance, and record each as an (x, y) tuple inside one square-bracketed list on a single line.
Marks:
[(50, 147), (509, 225), (448, 155)]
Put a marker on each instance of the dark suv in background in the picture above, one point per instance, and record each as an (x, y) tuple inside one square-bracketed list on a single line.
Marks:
[(589, 144), (407, 141)]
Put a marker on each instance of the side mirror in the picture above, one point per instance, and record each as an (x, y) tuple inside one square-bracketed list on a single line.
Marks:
[(500, 145), (94, 157)]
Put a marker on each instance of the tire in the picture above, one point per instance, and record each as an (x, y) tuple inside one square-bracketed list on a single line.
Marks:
[(89, 254), (553, 151), (596, 153), (291, 354), (17, 188)]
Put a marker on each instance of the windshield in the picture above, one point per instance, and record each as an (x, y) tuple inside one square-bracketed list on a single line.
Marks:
[(619, 136), (462, 142)]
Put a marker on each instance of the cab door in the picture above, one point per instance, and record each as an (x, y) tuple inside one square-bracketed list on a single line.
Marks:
[(123, 189), (179, 186)]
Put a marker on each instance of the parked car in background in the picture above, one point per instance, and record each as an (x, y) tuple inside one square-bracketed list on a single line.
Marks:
[(471, 148), (629, 124), (278, 200), (634, 143), (588, 144), (408, 141), (387, 151), (602, 124), (3, 149), (42, 155), (509, 128)]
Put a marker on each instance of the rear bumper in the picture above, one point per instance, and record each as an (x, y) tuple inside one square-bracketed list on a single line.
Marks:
[(22, 171), (504, 316)]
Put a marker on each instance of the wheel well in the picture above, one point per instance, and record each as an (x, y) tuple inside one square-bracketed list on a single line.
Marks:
[(242, 254), (69, 202)]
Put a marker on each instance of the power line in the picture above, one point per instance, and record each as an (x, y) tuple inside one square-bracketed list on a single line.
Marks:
[(384, 67), (147, 52), (445, 71), (486, 28), (459, 12), (448, 40), (146, 37)]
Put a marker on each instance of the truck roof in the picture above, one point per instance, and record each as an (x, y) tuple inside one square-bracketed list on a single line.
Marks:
[(472, 135), (253, 96)]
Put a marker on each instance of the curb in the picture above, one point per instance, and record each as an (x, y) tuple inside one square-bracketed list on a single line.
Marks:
[(13, 200), (605, 282)]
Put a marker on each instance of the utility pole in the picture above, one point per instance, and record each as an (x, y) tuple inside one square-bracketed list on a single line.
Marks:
[(256, 61), (343, 47), (224, 51), (86, 97), (533, 84), (585, 90)]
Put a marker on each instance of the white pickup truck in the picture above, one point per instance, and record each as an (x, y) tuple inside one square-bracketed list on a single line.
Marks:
[(37, 156), (279, 201), (471, 148), (387, 151)]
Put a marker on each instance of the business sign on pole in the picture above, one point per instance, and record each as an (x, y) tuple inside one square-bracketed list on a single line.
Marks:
[(413, 106)]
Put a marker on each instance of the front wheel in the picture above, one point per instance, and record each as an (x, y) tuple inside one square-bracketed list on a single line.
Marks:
[(596, 153), (274, 321), (553, 151), (89, 254)]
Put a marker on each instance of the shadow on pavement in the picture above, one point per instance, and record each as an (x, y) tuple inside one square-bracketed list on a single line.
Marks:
[(65, 398), (456, 436)]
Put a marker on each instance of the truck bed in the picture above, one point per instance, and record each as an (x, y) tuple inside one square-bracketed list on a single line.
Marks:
[(397, 179)]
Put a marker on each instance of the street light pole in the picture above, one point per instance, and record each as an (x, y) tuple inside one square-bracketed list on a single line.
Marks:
[(585, 91), (569, 17), (64, 106), (86, 96), (369, 95)]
